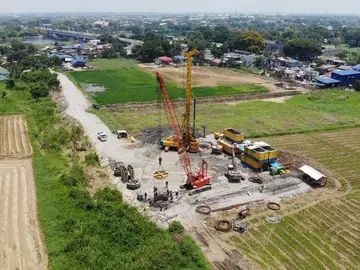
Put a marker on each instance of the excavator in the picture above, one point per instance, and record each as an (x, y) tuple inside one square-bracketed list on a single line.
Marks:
[(234, 174), (190, 142), (196, 181)]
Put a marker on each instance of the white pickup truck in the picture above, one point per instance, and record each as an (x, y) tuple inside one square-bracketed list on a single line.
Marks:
[(102, 136)]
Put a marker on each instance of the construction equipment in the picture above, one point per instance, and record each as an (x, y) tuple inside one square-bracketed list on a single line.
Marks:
[(234, 174), (199, 180), (189, 139)]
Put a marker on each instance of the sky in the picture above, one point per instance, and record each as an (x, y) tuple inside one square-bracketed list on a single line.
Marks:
[(240, 6)]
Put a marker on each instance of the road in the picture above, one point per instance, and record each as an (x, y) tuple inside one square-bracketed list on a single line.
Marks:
[(77, 105)]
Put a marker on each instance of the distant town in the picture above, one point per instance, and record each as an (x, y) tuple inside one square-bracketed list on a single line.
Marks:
[(302, 50)]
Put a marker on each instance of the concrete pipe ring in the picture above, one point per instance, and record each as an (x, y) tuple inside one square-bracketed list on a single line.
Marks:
[(223, 225), (203, 209), (274, 206)]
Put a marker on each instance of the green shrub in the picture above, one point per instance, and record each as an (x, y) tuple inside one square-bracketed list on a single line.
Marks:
[(176, 227), (74, 177), (92, 159), (108, 195), (82, 199)]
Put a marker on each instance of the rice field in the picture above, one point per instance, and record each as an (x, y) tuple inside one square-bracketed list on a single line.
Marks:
[(323, 230)]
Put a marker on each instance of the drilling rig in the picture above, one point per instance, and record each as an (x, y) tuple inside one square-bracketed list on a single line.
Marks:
[(200, 180), (189, 140)]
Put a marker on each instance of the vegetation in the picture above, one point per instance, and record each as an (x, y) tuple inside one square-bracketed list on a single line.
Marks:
[(320, 110), (112, 63), (357, 86), (302, 49), (307, 238), (81, 231), (135, 85)]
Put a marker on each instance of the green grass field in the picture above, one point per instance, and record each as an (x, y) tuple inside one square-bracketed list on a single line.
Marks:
[(321, 236), (320, 110), (80, 231), (103, 64), (135, 85)]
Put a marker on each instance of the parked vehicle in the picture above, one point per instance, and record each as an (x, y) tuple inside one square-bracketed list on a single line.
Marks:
[(102, 136)]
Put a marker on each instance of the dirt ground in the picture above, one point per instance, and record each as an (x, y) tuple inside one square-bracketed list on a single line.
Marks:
[(13, 137), (212, 76), (21, 244)]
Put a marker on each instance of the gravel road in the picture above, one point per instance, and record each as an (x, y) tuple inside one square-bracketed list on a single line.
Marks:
[(77, 106)]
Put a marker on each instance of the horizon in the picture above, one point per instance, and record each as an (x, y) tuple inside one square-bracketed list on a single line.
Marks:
[(318, 7)]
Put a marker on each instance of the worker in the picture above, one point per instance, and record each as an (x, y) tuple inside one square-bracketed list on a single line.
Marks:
[(145, 195), (160, 160), (166, 184)]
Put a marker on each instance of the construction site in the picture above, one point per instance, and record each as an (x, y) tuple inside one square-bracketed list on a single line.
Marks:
[(207, 181)]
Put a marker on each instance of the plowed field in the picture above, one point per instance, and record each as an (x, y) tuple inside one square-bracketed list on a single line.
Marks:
[(21, 245), (13, 137)]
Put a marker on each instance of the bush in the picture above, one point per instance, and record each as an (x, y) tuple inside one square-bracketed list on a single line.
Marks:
[(82, 199), (92, 159), (108, 195), (357, 86), (74, 177), (10, 83), (176, 227)]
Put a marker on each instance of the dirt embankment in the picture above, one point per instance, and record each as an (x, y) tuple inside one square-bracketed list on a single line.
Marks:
[(21, 244)]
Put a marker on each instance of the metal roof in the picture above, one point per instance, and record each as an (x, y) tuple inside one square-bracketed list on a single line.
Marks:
[(310, 171), (346, 72), (357, 67), (327, 80)]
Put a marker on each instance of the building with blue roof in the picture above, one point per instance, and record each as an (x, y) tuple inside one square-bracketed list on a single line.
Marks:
[(346, 77), (79, 62), (323, 82), (357, 67)]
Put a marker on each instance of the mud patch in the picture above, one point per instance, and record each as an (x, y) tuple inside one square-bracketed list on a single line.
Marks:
[(92, 88)]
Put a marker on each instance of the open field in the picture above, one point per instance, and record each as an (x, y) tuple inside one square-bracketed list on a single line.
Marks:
[(13, 136), (212, 76), (321, 230), (112, 63), (21, 245), (135, 85), (320, 110)]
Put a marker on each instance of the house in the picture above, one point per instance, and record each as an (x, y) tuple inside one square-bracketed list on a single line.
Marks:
[(163, 60), (94, 42), (179, 58), (324, 82), (4, 74), (346, 77), (272, 46), (344, 67), (290, 74), (357, 67), (79, 62), (326, 68), (311, 74), (291, 63)]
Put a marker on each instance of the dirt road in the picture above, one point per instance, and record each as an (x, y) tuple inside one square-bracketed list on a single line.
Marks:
[(21, 246), (77, 106)]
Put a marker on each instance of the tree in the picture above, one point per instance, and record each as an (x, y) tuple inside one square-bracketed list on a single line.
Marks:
[(258, 61), (302, 49), (357, 86), (137, 51), (10, 83), (251, 41), (38, 90), (221, 34)]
